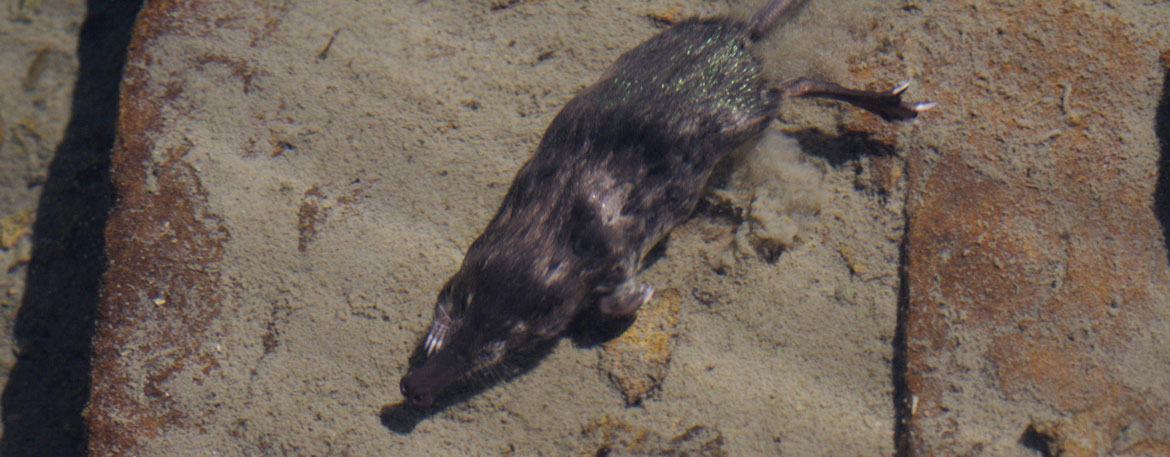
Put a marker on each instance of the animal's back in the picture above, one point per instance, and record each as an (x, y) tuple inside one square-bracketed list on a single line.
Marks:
[(697, 81), (624, 162), (627, 159)]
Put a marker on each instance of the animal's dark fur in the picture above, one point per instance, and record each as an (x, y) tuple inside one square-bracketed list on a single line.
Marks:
[(622, 164)]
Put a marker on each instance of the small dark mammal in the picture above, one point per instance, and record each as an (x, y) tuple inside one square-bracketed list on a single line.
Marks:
[(621, 165)]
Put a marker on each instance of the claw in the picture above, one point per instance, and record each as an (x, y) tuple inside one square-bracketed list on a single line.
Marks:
[(916, 107), (436, 337), (904, 110), (647, 294), (901, 87), (430, 346), (920, 107), (627, 301), (900, 110), (888, 105)]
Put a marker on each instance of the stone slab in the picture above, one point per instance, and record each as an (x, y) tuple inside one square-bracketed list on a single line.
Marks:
[(1038, 280)]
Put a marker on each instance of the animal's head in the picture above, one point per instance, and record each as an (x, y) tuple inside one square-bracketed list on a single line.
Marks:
[(484, 312)]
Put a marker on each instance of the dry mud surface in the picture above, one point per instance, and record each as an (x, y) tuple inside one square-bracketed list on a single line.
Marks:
[(296, 181)]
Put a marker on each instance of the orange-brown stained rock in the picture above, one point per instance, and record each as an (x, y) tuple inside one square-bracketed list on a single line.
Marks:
[(161, 290), (1034, 257)]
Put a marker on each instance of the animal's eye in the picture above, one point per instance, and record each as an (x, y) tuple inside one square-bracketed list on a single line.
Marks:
[(494, 350)]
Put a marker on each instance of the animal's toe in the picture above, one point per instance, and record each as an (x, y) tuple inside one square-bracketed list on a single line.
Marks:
[(626, 300)]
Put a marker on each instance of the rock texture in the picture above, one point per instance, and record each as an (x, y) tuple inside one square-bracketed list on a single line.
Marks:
[(614, 438), (1038, 279), (162, 290), (291, 194)]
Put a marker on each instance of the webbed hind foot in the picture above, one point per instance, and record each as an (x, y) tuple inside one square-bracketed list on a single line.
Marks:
[(626, 300)]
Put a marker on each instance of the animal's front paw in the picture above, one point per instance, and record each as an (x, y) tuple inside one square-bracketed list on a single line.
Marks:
[(626, 300)]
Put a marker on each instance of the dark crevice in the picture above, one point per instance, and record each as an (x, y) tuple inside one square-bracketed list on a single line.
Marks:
[(49, 384), (1038, 441), (1162, 131), (898, 369)]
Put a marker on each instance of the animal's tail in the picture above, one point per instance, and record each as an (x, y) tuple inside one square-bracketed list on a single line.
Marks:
[(768, 17)]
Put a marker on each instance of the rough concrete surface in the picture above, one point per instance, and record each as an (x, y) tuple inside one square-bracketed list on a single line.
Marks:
[(295, 181), (1038, 280)]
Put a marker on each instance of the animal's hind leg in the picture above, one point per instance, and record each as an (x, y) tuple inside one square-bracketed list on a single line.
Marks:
[(888, 105), (626, 299)]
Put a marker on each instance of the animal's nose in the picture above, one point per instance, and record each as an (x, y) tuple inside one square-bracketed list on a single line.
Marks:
[(412, 394)]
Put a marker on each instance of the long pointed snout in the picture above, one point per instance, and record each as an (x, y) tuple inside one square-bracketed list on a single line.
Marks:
[(421, 385)]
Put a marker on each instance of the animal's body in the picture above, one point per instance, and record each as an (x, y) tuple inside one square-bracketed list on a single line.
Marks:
[(623, 163)]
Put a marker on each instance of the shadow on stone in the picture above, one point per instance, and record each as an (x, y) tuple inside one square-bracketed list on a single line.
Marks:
[(1162, 130), (587, 330), (1035, 440), (49, 384), (402, 417), (840, 149)]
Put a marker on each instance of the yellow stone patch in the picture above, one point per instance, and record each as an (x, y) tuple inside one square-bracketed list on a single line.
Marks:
[(15, 227), (639, 359)]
